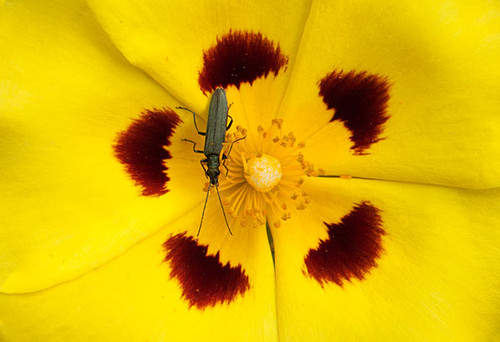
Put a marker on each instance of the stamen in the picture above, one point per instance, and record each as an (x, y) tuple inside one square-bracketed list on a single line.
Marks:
[(265, 177)]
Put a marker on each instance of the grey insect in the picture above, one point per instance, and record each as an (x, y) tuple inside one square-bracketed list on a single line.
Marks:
[(215, 135)]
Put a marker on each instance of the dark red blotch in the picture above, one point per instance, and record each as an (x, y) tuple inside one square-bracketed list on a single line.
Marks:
[(203, 278), (360, 102), (239, 57), (141, 149), (352, 247)]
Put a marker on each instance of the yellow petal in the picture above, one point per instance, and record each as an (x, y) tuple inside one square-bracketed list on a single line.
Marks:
[(168, 40), (435, 276), (67, 203), (440, 63), (135, 298)]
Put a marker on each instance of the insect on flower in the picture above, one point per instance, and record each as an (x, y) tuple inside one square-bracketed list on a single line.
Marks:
[(215, 135)]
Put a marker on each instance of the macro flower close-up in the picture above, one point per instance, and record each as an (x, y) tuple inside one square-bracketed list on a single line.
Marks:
[(249, 170)]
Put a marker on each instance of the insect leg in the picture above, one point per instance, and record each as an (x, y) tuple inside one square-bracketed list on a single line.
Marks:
[(194, 119), (224, 156), (230, 122), (194, 145), (203, 162), (230, 148), (203, 212)]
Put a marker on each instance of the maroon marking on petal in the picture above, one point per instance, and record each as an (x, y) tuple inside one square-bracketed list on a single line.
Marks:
[(203, 278), (239, 57), (141, 148), (360, 102), (352, 247)]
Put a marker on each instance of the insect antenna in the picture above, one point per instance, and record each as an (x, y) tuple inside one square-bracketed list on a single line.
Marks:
[(204, 207), (223, 211)]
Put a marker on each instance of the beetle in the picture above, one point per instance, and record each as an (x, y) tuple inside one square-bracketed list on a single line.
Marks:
[(215, 135)]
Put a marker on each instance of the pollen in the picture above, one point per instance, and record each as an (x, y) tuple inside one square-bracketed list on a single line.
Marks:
[(262, 172), (266, 173)]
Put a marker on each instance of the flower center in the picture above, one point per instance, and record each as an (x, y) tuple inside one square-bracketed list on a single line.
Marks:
[(262, 172), (266, 173)]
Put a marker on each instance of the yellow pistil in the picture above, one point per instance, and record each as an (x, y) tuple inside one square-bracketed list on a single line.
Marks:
[(266, 173), (262, 172)]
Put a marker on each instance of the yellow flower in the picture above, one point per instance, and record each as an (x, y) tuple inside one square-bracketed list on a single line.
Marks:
[(371, 155)]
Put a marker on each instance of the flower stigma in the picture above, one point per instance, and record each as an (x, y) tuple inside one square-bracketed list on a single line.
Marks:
[(262, 172), (265, 174)]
